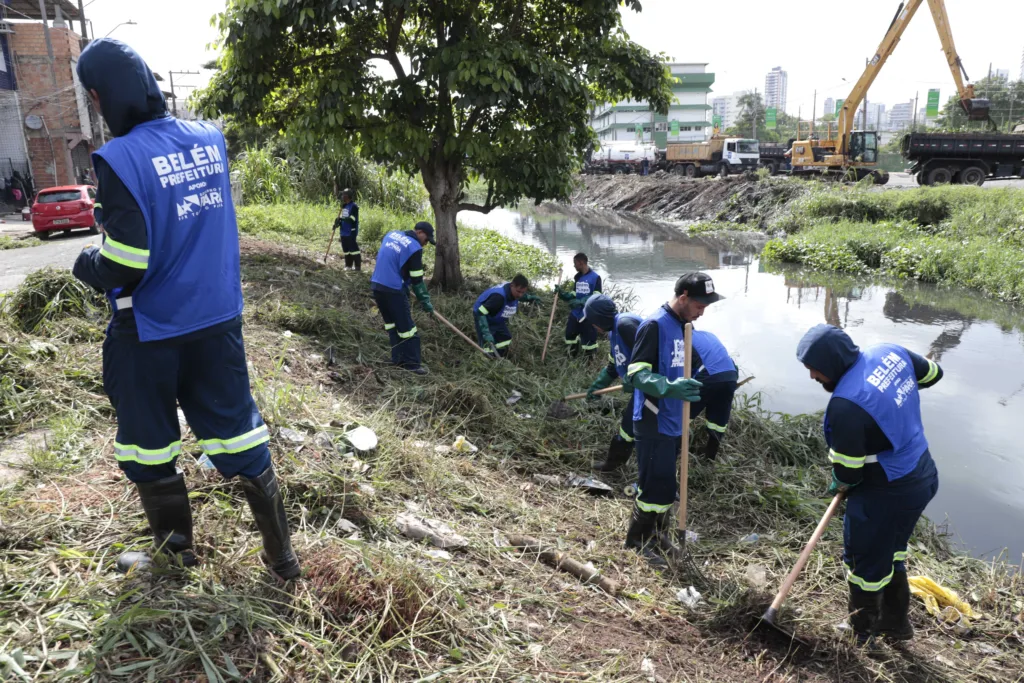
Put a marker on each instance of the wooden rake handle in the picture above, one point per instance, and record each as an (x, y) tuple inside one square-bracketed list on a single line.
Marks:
[(599, 392), (460, 333), (801, 562), (551, 320), (684, 451)]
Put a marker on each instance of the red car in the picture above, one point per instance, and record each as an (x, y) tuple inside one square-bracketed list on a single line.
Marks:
[(64, 208)]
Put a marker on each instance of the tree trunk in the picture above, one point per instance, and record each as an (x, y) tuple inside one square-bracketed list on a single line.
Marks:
[(443, 186)]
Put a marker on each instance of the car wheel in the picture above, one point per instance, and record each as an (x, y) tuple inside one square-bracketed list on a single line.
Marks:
[(94, 229), (43, 235)]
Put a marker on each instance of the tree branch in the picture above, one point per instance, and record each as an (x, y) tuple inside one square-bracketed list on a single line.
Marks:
[(486, 208), (394, 29)]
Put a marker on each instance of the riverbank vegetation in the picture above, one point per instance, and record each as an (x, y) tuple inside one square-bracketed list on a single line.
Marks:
[(375, 605)]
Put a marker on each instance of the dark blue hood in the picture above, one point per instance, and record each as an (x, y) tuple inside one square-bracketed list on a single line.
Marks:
[(129, 93), (600, 310), (828, 350)]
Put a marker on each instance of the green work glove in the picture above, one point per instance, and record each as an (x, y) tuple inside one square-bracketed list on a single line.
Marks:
[(337, 222), (837, 486), (603, 380), (659, 386), (627, 385), (566, 296), (530, 298), (420, 290)]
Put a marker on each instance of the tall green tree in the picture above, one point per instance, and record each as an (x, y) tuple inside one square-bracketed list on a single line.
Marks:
[(1006, 99), (449, 89)]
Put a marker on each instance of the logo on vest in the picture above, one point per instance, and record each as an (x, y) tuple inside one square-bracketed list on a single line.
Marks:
[(508, 312), (620, 357), (678, 353), (582, 288), (194, 204), (175, 168), (883, 376)]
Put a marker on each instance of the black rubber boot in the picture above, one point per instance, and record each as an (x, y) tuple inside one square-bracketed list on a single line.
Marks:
[(666, 536), (267, 504), (894, 624), (619, 452), (712, 446), (348, 262), (641, 537), (165, 503), (357, 260), (865, 610)]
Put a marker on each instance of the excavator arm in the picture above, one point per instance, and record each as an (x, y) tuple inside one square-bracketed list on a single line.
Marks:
[(977, 109)]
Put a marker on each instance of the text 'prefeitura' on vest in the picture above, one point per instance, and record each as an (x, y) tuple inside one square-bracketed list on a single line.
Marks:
[(176, 168)]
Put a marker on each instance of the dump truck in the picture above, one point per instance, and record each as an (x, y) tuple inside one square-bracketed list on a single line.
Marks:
[(720, 155), (774, 156), (963, 158)]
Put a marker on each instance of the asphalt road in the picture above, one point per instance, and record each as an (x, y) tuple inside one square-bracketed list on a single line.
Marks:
[(60, 251), (906, 180)]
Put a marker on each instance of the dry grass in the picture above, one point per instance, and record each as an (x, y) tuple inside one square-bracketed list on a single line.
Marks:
[(378, 606)]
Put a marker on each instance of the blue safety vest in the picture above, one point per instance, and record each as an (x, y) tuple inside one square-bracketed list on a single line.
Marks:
[(884, 384), (395, 249), (671, 364), (713, 356), (619, 350), (508, 309), (178, 173), (349, 219), (586, 285)]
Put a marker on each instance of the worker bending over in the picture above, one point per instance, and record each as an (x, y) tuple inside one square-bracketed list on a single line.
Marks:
[(656, 371), (399, 267), (717, 373), (492, 310), (880, 459), (580, 335), (348, 227), (170, 267), (600, 312)]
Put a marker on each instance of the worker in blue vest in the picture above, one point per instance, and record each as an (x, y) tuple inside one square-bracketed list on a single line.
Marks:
[(601, 312), (170, 264), (880, 459), (718, 375), (492, 310), (399, 268), (348, 226), (579, 335), (656, 372)]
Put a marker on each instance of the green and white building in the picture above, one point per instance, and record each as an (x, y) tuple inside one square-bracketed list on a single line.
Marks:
[(688, 119)]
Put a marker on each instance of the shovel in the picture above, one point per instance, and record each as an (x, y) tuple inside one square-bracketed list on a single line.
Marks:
[(768, 619)]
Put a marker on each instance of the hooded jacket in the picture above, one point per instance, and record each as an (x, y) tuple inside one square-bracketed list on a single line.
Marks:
[(854, 432), (129, 95)]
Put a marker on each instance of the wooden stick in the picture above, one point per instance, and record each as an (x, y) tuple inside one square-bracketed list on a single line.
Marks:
[(801, 562), (684, 451), (551, 320), (563, 562), (459, 332), (333, 229), (599, 392), (744, 381)]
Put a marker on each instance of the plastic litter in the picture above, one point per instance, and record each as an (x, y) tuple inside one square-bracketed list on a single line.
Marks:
[(291, 436), (512, 399), (437, 532), (363, 439), (940, 602), (206, 463), (690, 597), (462, 445), (750, 538)]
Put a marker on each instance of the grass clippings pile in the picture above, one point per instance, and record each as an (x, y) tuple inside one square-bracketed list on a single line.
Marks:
[(376, 606)]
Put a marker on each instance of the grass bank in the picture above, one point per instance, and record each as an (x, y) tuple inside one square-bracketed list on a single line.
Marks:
[(964, 236), (376, 605)]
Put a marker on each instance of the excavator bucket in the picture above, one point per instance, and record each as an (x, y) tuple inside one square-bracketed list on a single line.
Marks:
[(977, 109)]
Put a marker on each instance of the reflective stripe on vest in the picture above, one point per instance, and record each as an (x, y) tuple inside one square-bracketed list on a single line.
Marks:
[(621, 352), (349, 219), (508, 309), (395, 249), (178, 172), (884, 384)]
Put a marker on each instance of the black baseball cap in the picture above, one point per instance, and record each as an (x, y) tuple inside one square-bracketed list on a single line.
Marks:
[(426, 227), (699, 287)]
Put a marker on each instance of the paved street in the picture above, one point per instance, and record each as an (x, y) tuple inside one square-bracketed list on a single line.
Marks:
[(60, 251), (906, 180)]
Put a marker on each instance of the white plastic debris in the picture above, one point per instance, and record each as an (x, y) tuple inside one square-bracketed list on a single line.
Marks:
[(750, 538), (435, 531), (462, 445), (363, 439), (346, 527), (513, 398), (291, 436), (205, 462), (757, 576), (287, 334), (438, 554), (647, 668), (692, 536), (690, 597), (324, 441)]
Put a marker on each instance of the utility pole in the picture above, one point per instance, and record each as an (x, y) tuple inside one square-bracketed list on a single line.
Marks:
[(753, 119), (814, 113), (913, 129), (174, 97)]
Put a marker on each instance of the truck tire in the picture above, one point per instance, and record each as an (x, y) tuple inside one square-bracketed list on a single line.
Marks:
[(920, 178), (619, 170), (678, 169), (880, 177), (723, 170), (690, 171), (940, 175), (973, 175), (772, 167)]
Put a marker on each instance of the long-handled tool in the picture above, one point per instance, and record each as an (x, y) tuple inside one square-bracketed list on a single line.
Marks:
[(599, 392), (333, 229), (772, 613), (684, 450), (551, 320), (460, 333)]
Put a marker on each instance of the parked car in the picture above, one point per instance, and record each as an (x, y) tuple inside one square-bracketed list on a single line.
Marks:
[(64, 208)]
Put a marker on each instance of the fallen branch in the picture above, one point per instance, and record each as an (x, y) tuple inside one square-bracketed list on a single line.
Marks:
[(562, 562)]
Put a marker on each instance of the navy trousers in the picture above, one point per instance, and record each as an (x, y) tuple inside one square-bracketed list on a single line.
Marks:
[(580, 335), (626, 422), (656, 459), (208, 378), (405, 342), (502, 336), (879, 520)]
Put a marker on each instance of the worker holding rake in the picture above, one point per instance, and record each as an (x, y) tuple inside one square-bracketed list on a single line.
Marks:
[(880, 459), (493, 309)]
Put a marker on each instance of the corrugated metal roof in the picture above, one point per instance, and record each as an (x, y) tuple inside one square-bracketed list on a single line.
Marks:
[(21, 8)]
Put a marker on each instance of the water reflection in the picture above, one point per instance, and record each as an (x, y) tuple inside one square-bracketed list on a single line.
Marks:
[(971, 416)]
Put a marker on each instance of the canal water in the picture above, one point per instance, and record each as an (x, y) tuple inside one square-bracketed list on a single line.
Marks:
[(972, 417)]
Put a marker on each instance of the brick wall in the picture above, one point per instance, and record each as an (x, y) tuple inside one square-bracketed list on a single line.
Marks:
[(58, 107)]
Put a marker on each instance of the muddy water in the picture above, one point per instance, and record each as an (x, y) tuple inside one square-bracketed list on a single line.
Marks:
[(972, 418)]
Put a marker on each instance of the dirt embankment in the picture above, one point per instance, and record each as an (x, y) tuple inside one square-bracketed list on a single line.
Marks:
[(663, 196)]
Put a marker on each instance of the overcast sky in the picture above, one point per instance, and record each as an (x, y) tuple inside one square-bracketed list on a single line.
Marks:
[(819, 42)]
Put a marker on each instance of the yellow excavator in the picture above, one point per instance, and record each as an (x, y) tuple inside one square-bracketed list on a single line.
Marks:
[(853, 154)]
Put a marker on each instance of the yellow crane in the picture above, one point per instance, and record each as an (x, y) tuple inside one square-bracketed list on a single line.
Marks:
[(854, 153)]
